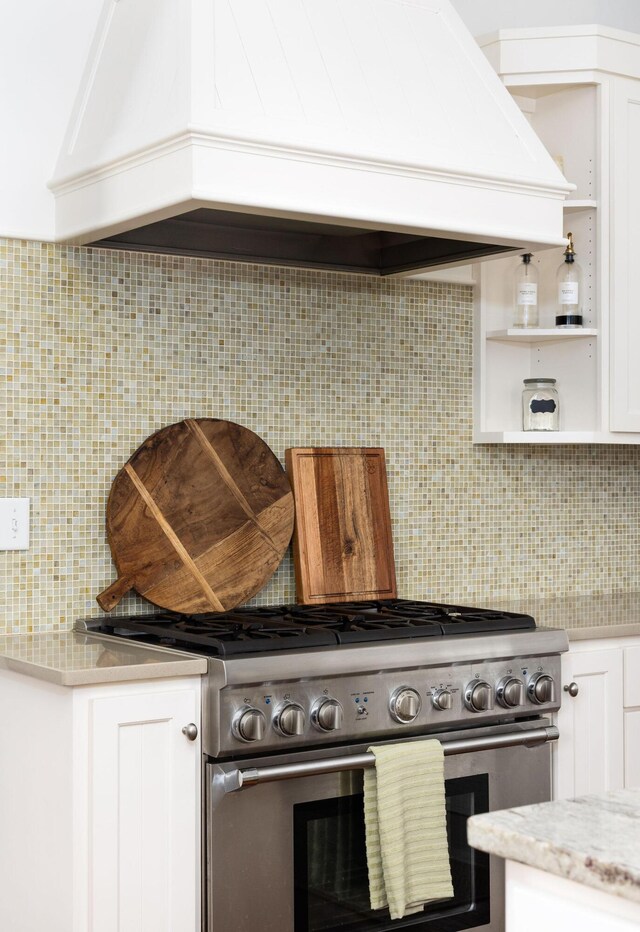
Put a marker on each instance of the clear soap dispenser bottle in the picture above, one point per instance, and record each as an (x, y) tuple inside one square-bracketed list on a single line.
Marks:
[(569, 278), (526, 293)]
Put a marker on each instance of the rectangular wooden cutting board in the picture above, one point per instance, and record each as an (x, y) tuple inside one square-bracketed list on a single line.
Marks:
[(342, 544)]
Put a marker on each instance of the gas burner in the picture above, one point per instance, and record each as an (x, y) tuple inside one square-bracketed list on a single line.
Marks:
[(259, 629), (216, 635), (354, 622), (400, 618)]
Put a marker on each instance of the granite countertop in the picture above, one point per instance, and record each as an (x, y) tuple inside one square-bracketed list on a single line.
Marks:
[(70, 658), (583, 617), (591, 840)]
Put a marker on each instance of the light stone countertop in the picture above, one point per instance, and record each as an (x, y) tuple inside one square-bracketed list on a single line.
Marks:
[(583, 617), (75, 659), (592, 840), (70, 658)]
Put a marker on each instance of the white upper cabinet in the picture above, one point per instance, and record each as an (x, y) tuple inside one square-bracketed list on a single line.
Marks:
[(625, 243), (580, 89)]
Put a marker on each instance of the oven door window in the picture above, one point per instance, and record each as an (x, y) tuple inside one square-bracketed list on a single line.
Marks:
[(330, 867)]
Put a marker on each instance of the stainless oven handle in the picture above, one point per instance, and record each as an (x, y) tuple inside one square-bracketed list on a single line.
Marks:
[(231, 780)]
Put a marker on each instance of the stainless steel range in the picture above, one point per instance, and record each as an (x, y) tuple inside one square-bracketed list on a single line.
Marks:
[(295, 695)]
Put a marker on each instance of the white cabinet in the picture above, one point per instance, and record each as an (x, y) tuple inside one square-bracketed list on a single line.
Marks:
[(100, 796), (589, 756), (632, 717), (143, 826), (599, 745), (538, 900), (580, 88), (625, 246)]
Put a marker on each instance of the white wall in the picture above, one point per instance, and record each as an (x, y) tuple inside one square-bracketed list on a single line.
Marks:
[(43, 46), (483, 16)]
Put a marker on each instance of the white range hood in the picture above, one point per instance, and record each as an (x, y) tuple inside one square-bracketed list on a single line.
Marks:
[(367, 135)]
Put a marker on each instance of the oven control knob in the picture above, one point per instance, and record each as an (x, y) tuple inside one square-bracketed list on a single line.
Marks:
[(405, 705), (289, 720), (541, 688), (326, 715), (442, 700), (249, 725), (478, 696), (510, 692)]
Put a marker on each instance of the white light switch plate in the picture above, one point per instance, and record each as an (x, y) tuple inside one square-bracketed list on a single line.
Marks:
[(14, 523)]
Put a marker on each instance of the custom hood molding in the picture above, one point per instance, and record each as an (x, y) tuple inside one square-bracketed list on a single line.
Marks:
[(366, 135)]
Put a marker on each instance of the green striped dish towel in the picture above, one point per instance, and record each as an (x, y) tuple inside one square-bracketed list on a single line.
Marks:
[(406, 827)]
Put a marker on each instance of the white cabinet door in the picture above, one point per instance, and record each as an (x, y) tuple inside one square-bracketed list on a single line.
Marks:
[(144, 805), (589, 756), (632, 717), (632, 749), (624, 251)]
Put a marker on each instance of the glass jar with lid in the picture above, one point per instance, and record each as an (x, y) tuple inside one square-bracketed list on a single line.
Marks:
[(540, 405)]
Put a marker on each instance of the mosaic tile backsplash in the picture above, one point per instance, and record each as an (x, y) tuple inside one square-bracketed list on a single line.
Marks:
[(98, 349)]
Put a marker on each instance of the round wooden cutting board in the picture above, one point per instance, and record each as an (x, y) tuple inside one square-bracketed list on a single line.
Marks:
[(199, 518)]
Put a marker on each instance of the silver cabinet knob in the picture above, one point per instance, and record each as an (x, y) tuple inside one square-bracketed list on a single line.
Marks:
[(442, 700), (289, 720), (510, 692), (249, 725), (478, 696), (541, 688), (191, 731), (405, 705), (573, 689), (326, 715)]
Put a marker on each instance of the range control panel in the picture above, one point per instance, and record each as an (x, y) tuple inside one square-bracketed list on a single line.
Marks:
[(385, 703)]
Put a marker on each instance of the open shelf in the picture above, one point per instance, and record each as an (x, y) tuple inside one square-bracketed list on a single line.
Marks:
[(565, 119), (571, 206), (586, 116), (539, 437), (540, 334)]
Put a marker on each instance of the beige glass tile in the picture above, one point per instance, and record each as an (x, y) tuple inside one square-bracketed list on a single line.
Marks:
[(100, 348)]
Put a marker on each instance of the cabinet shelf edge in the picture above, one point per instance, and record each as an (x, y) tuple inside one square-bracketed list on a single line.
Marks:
[(540, 335), (555, 437)]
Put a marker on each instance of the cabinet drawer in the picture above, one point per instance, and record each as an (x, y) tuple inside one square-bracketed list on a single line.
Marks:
[(632, 677)]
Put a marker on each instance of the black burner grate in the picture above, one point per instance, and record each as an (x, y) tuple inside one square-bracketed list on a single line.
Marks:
[(294, 627), (222, 635)]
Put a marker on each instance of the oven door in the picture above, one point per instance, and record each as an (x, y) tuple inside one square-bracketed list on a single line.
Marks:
[(288, 855)]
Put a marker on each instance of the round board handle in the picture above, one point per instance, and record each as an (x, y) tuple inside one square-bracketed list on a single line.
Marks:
[(109, 598)]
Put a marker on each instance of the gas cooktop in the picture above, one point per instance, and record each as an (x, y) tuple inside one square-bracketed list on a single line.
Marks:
[(295, 627)]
